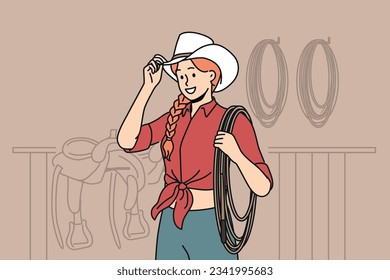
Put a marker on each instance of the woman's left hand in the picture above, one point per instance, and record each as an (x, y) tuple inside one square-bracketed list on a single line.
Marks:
[(228, 144)]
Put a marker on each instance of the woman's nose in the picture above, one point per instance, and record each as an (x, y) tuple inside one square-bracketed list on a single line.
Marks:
[(186, 80)]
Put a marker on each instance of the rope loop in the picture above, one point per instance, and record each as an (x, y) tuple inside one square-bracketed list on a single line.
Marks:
[(265, 112), (225, 209), (318, 114)]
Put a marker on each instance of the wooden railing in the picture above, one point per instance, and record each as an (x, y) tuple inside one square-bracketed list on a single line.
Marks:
[(313, 201)]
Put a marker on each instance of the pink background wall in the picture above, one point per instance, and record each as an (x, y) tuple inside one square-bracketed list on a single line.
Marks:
[(72, 69)]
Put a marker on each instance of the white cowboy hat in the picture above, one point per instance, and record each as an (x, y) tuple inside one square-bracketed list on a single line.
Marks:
[(195, 45)]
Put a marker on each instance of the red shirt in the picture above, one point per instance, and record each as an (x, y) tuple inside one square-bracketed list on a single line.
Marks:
[(191, 164)]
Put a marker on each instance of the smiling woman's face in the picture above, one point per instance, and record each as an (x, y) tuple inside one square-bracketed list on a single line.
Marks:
[(193, 83)]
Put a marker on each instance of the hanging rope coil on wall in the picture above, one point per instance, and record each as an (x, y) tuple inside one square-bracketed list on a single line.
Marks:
[(265, 112), (225, 209), (317, 114)]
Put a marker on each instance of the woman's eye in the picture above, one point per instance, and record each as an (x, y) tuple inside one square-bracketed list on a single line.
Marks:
[(193, 75), (181, 77)]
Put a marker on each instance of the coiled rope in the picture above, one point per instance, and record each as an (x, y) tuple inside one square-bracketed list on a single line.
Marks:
[(265, 112), (317, 114), (224, 205)]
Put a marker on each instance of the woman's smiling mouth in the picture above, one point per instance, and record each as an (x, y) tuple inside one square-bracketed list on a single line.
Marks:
[(190, 90)]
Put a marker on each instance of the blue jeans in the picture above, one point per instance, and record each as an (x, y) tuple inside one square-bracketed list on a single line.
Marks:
[(198, 240)]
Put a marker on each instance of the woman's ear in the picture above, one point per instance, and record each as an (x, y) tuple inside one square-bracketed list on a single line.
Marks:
[(212, 74)]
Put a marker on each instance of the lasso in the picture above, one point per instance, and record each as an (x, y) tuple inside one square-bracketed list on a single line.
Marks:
[(224, 205), (317, 114), (265, 112)]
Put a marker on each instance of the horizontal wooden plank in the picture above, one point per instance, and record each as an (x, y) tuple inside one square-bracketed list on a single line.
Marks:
[(328, 150), (32, 150)]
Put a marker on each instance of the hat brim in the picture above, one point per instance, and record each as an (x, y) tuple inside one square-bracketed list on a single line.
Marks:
[(225, 60)]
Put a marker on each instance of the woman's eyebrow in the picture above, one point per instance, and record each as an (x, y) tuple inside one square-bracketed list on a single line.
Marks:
[(178, 69), (190, 68)]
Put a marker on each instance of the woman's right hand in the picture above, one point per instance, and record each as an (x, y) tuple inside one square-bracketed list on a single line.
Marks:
[(153, 71)]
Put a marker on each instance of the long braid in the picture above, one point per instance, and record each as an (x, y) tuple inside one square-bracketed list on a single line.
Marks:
[(173, 117)]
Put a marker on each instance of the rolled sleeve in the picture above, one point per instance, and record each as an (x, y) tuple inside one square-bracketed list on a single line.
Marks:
[(245, 136), (150, 134)]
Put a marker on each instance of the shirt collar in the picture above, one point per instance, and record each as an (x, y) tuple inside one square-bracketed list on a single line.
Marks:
[(207, 108)]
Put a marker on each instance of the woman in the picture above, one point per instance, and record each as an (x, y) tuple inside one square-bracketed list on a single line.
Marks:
[(189, 135)]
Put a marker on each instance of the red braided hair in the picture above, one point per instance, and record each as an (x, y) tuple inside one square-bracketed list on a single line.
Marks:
[(173, 117), (204, 65)]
